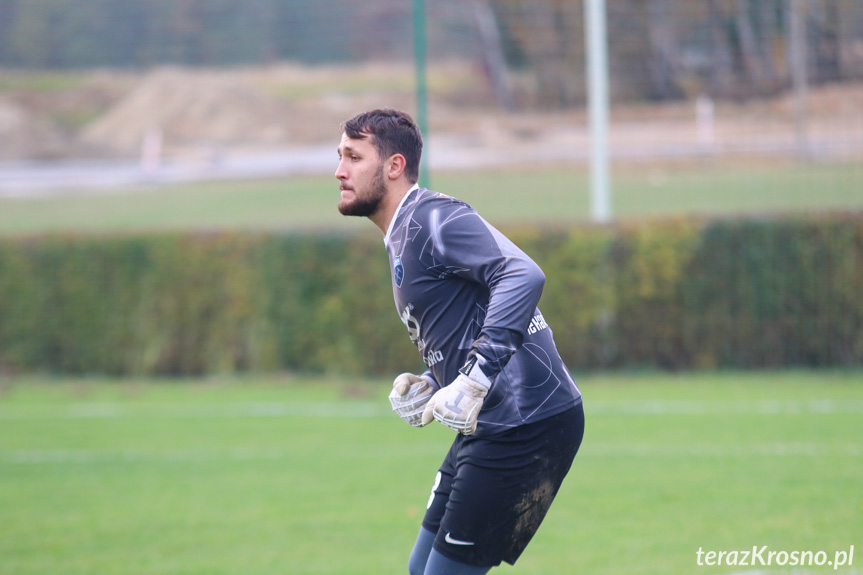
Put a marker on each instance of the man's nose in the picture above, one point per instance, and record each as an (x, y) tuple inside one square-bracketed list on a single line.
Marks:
[(340, 170)]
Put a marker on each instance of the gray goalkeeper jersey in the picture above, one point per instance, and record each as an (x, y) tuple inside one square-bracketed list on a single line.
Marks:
[(461, 288)]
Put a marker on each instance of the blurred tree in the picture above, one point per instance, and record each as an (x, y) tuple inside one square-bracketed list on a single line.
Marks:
[(823, 37), (33, 41), (658, 49), (665, 57), (756, 25), (8, 10), (493, 57), (549, 35), (720, 56)]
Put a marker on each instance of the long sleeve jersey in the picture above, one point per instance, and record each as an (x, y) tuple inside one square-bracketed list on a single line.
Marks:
[(463, 289)]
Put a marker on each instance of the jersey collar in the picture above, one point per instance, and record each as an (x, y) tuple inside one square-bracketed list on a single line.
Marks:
[(398, 209)]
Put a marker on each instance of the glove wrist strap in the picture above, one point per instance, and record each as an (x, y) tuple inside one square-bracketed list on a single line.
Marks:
[(473, 370)]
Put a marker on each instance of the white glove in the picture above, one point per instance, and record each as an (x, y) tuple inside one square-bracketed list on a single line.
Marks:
[(457, 405), (409, 397)]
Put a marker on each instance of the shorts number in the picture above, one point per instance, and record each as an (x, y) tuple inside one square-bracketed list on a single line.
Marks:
[(434, 487)]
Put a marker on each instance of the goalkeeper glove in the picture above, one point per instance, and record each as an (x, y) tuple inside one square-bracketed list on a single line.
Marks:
[(457, 405), (409, 397)]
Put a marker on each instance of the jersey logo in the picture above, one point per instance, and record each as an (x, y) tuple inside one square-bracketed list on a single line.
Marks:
[(413, 327), (431, 356), (398, 272), (536, 324)]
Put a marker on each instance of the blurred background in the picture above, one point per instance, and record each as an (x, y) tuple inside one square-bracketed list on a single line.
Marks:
[(188, 148), (208, 88)]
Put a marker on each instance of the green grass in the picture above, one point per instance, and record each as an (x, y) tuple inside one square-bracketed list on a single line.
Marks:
[(260, 475), (548, 194)]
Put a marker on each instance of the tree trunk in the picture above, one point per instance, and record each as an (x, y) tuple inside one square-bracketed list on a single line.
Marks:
[(823, 23), (492, 54), (722, 69), (664, 50)]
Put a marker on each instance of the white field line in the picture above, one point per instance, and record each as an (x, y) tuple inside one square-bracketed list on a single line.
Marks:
[(339, 410), (359, 410), (95, 456), (757, 450), (725, 407), (67, 456)]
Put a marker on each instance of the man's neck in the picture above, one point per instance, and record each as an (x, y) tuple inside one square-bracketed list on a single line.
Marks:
[(387, 210)]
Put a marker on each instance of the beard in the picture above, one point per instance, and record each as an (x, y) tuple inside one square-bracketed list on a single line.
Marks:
[(366, 203)]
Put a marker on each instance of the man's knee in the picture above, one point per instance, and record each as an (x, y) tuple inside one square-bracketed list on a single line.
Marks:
[(416, 564), (420, 553)]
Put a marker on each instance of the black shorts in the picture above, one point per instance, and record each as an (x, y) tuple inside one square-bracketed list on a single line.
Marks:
[(491, 493)]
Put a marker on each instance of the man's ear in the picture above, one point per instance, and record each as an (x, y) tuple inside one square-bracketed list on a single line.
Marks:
[(396, 166)]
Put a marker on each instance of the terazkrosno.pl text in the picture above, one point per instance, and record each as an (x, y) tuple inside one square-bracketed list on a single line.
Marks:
[(764, 557)]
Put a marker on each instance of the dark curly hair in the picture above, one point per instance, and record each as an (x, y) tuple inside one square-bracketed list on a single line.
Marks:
[(392, 132)]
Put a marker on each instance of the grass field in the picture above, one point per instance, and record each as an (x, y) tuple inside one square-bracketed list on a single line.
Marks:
[(315, 476), (274, 475), (551, 194)]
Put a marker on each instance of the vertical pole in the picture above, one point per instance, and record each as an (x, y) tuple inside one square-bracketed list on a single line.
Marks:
[(421, 85), (597, 70), (798, 55)]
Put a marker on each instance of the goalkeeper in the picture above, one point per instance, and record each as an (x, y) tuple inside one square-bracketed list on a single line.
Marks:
[(468, 297)]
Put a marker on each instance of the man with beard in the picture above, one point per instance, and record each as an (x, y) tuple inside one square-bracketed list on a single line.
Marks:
[(468, 298)]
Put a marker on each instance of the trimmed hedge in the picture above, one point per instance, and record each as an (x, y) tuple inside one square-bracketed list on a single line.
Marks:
[(674, 294)]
